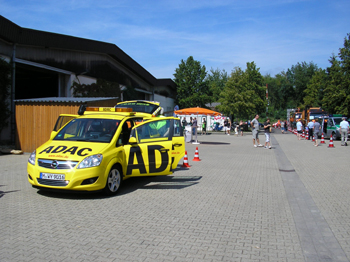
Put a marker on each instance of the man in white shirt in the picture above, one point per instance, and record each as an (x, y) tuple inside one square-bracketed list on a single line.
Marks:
[(344, 125), (255, 131), (299, 129), (310, 126)]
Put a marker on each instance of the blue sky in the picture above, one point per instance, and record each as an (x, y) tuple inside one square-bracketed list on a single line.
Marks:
[(221, 34)]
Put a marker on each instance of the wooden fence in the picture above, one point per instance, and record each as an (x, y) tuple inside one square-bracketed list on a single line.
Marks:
[(35, 121)]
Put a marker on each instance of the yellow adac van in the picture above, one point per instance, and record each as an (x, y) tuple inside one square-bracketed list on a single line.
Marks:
[(100, 147)]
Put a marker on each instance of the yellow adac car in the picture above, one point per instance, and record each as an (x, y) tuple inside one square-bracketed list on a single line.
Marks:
[(97, 150)]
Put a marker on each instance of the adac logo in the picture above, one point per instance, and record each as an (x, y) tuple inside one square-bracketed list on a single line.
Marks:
[(65, 150), (54, 164)]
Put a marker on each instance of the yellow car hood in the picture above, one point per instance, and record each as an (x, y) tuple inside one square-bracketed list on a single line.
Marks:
[(72, 150)]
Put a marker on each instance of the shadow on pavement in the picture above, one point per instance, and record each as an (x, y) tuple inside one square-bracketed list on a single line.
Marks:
[(2, 193), (130, 185), (213, 143)]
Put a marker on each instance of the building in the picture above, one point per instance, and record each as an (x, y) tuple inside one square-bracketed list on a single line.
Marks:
[(47, 64)]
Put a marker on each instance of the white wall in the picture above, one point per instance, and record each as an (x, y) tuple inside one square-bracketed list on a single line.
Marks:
[(167, 103), (87, 80)]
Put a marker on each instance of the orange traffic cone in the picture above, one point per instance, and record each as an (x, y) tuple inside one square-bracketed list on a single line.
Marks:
[(303, 135), (307, 135), (331, 142), (322, 139), (313, 138), (196, 156), (185, 164)]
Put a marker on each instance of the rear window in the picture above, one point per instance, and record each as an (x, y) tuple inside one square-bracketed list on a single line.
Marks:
[(141, 107)]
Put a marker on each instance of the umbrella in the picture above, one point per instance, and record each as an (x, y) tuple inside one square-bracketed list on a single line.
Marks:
[(196, 111)]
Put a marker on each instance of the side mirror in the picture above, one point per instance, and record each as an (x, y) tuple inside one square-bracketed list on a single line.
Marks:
[(53, 134), (132, 140)]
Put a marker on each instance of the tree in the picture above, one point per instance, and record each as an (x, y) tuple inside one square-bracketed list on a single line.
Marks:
[(256, 83), (277, 101), (244, 93), (192, 89), (336, 98), (298, 77), (216, 80), (344, 55), (5, 71), (315, 89)]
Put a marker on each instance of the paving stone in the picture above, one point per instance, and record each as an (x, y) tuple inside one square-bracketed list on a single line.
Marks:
[(233, 205)]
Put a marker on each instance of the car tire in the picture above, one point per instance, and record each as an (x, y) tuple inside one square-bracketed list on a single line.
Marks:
[(334, 135), (114, 181)]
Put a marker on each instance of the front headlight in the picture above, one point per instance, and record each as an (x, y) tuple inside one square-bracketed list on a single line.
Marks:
[(91, 161), (32, 158)]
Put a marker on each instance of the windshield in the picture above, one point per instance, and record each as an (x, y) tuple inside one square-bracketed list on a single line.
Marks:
[(315, 115), (87, 129), (140, 107), (337, 120)]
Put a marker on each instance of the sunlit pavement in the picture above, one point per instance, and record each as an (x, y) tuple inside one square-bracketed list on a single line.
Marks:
[(239, 203)]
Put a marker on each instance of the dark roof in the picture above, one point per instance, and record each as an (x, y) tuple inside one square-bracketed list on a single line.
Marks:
[(165, 82), (64, 99), (13, 33)]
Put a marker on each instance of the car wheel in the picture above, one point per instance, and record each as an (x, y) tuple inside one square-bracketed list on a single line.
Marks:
[(114, 180), (334, 136)]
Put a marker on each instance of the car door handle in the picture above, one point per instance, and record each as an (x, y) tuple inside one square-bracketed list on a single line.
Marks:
[(164, 150), (177, 145)]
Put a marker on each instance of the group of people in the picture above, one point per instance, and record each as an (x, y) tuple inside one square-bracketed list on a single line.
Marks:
[(239, 128), (314, 129), (255, 131), (193, 122), (283, 125)]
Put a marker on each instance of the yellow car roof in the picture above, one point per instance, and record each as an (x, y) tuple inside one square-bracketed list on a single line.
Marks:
[(151, 108), (139, 101)]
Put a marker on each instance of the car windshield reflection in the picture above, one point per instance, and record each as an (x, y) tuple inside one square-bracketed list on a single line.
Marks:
[(87, 129)]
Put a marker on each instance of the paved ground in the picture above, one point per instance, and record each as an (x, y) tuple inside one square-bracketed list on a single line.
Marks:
[(240, 203)]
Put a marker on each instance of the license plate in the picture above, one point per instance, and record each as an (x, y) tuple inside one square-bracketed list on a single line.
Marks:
[(52, 176)]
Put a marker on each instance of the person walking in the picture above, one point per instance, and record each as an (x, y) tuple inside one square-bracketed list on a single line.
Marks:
[(241, 127), (282, 127), (255, 131), (204, 126), (184, 123), (299, 129), (310, 127), (267, 127), (285, 126), (316, 131), (228, 126), (194, 126), (225, 125), (344, 126)]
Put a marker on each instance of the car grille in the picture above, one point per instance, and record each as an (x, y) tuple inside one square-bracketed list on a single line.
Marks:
[(49, 182), (57, 164)]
